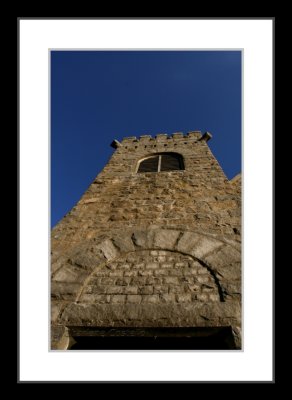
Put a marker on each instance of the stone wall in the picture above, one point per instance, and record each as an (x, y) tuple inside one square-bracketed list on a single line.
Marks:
[(114, 265), (151, 277)]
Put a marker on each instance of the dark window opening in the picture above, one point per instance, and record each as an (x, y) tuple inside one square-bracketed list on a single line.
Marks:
[(152, 339), (161, 162), (170, 162), (149, 165)]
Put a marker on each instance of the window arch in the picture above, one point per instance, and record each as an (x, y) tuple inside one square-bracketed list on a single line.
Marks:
[(161, 162)]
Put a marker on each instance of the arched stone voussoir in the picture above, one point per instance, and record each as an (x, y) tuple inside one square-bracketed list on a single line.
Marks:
[(93, 253), (226, 263), (108, 249), (71, 273), (123, 242), (155, 238), (143, 238), (198, 245), (86, 256), (188, 242), (166, 239)]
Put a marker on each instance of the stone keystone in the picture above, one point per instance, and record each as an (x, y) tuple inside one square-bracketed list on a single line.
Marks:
[(166, 239)]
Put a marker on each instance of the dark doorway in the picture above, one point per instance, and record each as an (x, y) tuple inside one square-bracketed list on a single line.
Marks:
[(152, 339)]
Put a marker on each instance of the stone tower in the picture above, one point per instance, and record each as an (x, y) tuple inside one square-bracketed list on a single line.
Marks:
[(152, 249)]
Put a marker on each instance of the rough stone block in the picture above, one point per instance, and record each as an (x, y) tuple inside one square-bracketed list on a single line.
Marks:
[(170, 259), (151, 299), (173, 280), (161, 137), (64, 291), (202, 297), (92, 200), (94, 298), (168, 265), (146, 290), (58, 261), (178, 135), (59, 337), (108, 249), (123, 281), (153, 280), (171, 313), (214, 297), (130, 290), (166, 239), (152, 265), (201, 271), (161, 272), (197, 245), (138, 265), (227, 261), (194, 288), (195, 134), (188, 272), (132, 298), (188, 279), (130, 273), (108, 281), (161, 259), (183, 298), (167, 298), (176, 289), (68, 273), (187, 241), (145, 273), (124, 243), (112, 266), (56, 307), (139, 280), (159, 289), (205, 246), (96, 289), (114, 289), (181, 264), (203, 278), (233, 287), (176, 272), (207, 289), (124, 267), (118, 298), (117, 273), (143, 239), (101, 272), (86, 260)]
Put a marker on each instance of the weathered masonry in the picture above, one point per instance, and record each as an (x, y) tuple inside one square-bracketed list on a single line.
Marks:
[(150, 257)]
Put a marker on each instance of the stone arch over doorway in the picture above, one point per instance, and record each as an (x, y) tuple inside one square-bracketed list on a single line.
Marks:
[(89, 285)]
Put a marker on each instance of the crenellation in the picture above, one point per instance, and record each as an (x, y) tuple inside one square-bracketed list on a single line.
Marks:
[(177, 135)]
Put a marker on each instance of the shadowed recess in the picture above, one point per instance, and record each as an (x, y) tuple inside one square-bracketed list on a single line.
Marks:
[(152, 339)]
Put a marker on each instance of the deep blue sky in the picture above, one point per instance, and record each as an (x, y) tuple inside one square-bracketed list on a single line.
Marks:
[(98, 96)]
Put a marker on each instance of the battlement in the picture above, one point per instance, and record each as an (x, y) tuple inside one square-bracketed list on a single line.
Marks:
[(162, 137)]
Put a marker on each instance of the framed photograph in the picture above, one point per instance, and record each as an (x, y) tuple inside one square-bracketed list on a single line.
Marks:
[(141, 150)]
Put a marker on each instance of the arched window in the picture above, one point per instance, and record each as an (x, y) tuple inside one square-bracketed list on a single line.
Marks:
[(161, 162)]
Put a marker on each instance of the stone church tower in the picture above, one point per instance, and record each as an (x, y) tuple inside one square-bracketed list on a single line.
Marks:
[(151, 254)]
